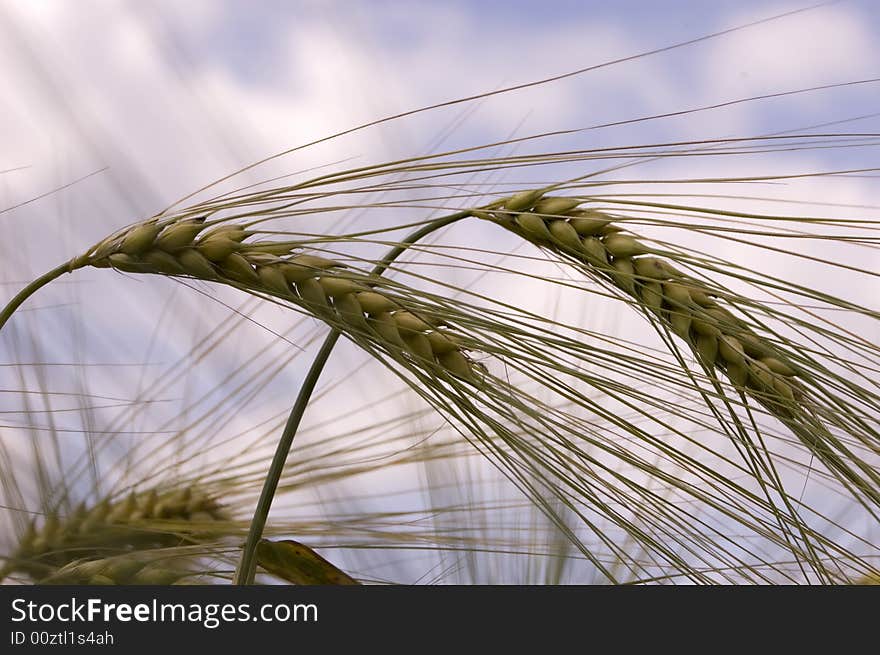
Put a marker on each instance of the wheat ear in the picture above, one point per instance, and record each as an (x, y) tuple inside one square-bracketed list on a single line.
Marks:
[(129, 569), (686, 306), (356, 302), (128, 524)]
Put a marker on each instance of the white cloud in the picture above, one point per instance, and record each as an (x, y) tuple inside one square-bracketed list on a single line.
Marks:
[(828, 45)]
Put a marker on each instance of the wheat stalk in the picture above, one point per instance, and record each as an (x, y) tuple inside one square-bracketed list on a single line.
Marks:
[(140, 521)]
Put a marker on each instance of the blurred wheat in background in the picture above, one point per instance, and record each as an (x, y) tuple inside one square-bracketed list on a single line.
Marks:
[(604, 284)]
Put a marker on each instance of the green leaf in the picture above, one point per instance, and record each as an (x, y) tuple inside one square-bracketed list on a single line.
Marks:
[(299, 564)]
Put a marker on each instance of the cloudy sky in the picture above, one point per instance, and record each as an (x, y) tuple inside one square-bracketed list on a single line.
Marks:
[(178, 94), (132, 105), (127, 106)]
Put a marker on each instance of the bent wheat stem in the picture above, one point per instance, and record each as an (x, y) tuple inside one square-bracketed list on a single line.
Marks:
[(30, 289), (244, 574)]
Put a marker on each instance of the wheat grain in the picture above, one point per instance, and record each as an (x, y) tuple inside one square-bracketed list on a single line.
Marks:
[(352, 301), (140, 521)]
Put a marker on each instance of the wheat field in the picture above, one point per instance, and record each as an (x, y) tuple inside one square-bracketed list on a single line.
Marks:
[(322, 309)]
